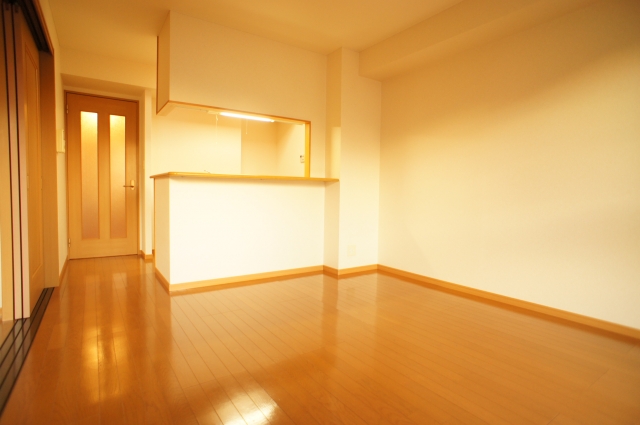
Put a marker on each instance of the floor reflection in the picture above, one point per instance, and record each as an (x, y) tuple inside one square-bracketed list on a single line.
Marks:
[(5, 328), (115, 348)]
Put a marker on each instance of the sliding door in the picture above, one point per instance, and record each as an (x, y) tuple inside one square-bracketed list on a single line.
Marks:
[(29, 129), (27, 164), (28, 183), (6, 201)]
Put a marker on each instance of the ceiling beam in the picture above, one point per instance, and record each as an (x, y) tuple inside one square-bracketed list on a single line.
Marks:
[(468, 24)]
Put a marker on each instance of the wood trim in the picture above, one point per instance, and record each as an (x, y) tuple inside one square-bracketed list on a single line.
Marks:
[(163, 60), (157, 70), (141, 181), (239, 176), (202, 107), (350, 271), (250, 278), (163, 280), (165, 109), (101, 96), (514, 302), (307, 150), (66, 166), (49, 166), (22, 292), (6, 140), (330, 270), (148, 258), (37, 25), (15, 250)]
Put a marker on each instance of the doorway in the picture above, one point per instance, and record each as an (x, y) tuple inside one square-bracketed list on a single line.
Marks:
[(102, 180)]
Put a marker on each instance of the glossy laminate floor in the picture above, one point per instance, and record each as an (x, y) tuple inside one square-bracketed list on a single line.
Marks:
[(5, 329), (115, 348)]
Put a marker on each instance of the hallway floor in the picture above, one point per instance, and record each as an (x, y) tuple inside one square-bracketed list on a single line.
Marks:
[(115, 348)]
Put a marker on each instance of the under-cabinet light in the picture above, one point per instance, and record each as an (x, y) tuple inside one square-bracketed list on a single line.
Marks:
[(247, 117)]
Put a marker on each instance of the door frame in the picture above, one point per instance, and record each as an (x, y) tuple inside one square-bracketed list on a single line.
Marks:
[(138, 168)]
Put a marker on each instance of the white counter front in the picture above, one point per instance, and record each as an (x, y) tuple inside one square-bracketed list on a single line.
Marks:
[(210, 231)]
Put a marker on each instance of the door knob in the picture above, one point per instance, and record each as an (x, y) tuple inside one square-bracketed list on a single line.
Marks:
[(132, 185)]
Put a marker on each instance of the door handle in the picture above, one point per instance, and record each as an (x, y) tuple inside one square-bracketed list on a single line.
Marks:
[(132, 185)]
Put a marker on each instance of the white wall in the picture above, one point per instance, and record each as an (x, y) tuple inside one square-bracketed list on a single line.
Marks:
[(359, 165), (148, 109), (332, 163), (515, 168), (353, 111), (224, 228), (107, 69), (332, 225), (217, 66), (162, 211)]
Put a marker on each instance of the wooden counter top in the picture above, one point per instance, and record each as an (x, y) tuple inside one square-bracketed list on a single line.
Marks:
[(240, 176)]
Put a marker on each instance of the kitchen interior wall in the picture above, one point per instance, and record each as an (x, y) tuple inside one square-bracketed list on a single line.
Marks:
[(195, 141), (290, 145)]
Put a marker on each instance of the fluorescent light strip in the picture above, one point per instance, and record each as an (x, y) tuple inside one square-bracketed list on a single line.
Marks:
[(247, 117)]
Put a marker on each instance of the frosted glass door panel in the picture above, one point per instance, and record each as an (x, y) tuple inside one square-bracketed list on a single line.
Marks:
[(118, 168), (89, 167)]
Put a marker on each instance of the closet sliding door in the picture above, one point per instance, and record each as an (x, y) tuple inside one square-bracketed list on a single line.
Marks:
[(7, 201), (29, 260), (28, 173)]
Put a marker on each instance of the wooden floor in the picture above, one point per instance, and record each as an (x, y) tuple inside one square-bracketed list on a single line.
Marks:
[(5, 328), (115, 348)]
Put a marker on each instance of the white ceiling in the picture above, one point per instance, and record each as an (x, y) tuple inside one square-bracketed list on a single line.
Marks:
[(127, 29)]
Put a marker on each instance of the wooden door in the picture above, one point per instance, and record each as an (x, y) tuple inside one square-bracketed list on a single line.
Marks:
[(102, 176), (29, 88)]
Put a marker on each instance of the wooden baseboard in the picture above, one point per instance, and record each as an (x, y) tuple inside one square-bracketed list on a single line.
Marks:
[(163, 280), (514, 302), (244, 279), (148, 258), (350, 271), (413, 277)]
